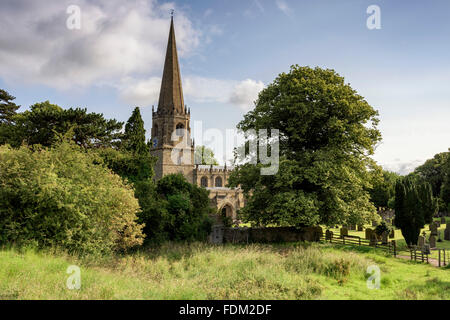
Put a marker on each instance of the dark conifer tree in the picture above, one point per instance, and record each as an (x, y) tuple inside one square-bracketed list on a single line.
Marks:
[(134, 138), (7, 107)]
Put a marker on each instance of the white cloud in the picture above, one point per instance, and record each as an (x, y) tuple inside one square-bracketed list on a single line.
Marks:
[(402, 168), (196, 89), (121, 44), (283, 6), (118, 39), (245, 93)]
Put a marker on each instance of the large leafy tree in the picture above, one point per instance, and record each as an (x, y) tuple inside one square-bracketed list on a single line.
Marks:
[(433, 171), (414, 207), (382, 192), (45, 122), (445, 188), (327, 134)]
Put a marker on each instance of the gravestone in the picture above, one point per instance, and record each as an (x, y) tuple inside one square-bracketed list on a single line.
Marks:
[(384, 238), (443, 220), (421, 241), (392, 234), (360, 228), (447, 233), (369, 233), (373, 239), (432, 242), (344, 231), (433, 229), (217, 233), (328, 235)]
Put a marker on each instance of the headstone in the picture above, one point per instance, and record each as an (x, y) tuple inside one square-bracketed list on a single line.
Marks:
[(373, 239), (392, 234), (443, 220), (369, 233), (447, 233), (384, 238), (433, 229), (421, 241), (344, 231), (432, 241), (360, 228), (328, 235)]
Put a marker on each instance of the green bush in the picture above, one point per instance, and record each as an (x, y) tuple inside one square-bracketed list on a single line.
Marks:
[(382, 228), (60, 197), (180, 211)]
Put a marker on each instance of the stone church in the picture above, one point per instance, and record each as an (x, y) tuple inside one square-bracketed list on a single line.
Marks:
[(172, 143)]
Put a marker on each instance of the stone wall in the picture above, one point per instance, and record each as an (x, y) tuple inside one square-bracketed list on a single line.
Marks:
[(269, 235)]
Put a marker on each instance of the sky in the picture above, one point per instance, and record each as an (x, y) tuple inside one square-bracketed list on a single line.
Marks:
[(229, 51)]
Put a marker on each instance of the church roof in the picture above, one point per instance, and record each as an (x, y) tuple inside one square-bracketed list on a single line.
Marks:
[(171, 94)]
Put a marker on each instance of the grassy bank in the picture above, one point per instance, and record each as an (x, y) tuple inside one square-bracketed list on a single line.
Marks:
[(201, 271)]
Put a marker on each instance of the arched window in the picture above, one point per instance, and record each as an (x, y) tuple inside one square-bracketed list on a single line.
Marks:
[(218, 182), (180, 130), (204, 182)]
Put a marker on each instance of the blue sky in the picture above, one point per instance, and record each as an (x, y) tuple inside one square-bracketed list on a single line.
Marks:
[(228, 51)]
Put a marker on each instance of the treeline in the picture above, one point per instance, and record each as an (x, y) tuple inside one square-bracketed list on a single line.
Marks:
[(74, 179)]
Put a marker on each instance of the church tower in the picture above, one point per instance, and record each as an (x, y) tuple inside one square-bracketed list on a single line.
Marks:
[(171, 131)]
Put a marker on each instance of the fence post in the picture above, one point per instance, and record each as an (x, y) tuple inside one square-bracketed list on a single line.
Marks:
[(439, 258), (395, 248)]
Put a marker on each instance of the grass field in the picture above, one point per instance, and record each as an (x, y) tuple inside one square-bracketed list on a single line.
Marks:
[(200, 271)]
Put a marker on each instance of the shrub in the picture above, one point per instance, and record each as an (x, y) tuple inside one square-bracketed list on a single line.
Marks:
[(382, 228), (60, 197), (180, 212)]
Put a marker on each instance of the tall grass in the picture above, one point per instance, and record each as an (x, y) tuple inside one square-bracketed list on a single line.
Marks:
[(201, 271)]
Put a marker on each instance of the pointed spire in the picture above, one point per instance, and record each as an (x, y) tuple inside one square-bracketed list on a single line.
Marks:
[(171, 94)]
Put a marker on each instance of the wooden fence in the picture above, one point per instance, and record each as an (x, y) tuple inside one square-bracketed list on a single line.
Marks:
[(443, 257), (418, 254), (390, 247)]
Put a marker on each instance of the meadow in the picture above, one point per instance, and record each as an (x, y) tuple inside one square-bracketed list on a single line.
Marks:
[(202, 271)]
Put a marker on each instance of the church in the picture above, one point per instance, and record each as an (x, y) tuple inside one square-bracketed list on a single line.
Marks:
[(172, 144)]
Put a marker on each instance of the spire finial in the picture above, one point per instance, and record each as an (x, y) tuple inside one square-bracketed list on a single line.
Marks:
[(172, 12)]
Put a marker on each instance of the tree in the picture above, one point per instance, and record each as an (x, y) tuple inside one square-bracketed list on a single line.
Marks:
[(414, 207), (445, 188), (44, 123), (8, 110), (180, 213), (7, 107), (134, 137), (60, 197), (432, 171), (327, 134), (382, 193), (204, 156)]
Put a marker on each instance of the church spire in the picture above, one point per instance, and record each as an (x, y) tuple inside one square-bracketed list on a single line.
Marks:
[(171, 94)]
